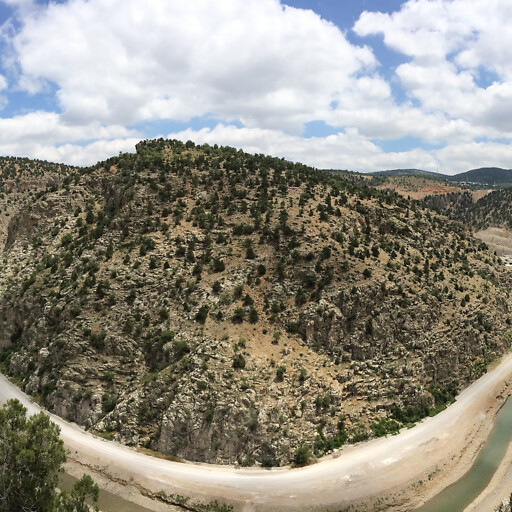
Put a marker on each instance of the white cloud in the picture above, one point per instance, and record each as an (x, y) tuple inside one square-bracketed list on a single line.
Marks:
[(46, 136), (19, 4), (48, 127), (452, 46), (267, 67), (119, 62), (424, 29), (457, 158), (72, 154), (85, 155)]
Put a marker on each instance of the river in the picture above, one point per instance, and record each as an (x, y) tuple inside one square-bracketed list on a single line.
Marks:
[(460, 494)]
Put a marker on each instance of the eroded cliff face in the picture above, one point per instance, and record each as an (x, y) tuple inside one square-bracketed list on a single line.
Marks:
[(226, 307)]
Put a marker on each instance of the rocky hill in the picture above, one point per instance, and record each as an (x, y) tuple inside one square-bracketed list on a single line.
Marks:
[(483, 176), (21, 179), (489, 176), (411, 172), (415, 187), (495, 209), (226, 307)]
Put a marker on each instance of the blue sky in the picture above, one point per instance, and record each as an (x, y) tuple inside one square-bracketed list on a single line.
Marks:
[(362, 85)]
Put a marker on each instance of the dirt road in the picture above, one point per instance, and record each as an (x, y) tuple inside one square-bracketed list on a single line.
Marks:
[(402, 469)]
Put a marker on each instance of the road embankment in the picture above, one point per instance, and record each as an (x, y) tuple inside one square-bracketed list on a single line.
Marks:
[(394, 473)]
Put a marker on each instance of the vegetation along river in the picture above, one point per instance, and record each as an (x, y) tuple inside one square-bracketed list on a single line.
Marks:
[(107, 501)]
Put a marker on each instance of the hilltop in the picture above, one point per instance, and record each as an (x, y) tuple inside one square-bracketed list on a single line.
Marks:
[(226, 307)]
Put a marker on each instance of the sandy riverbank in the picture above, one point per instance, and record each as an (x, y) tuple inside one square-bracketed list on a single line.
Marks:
[(426, 483)]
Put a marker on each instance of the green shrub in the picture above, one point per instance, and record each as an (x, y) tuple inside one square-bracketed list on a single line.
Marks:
[(239, 362), (253, 315), (384, 426), (238, 315), (302, 455), (300, 297), (98, 340), (108, 402), (292, 327), (268, 461), (359, 434), (218, 265), (202, 314), (180, 349)]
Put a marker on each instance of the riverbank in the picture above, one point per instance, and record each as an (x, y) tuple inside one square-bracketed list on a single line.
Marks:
[(455, 466), (115, 495), (419, 490), (430, 481)]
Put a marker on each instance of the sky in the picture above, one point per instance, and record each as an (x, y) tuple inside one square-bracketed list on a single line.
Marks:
[(363, 85)]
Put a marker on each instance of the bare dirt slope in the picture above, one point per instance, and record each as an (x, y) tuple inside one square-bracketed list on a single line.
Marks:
[(416, 187), (498, 239)]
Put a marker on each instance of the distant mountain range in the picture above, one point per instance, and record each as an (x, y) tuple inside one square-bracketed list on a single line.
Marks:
[(485, 176), (489, 176)]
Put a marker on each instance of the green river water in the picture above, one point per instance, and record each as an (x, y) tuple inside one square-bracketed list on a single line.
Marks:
[(461, 493)]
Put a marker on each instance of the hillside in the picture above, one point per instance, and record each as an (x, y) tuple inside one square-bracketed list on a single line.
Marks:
[(415, 187), (410, 172), (226, 307), (489, 176), (490, 217), (21, 179), (492, 210)]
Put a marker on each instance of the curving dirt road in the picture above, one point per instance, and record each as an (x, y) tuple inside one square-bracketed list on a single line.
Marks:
[(394, 470)]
